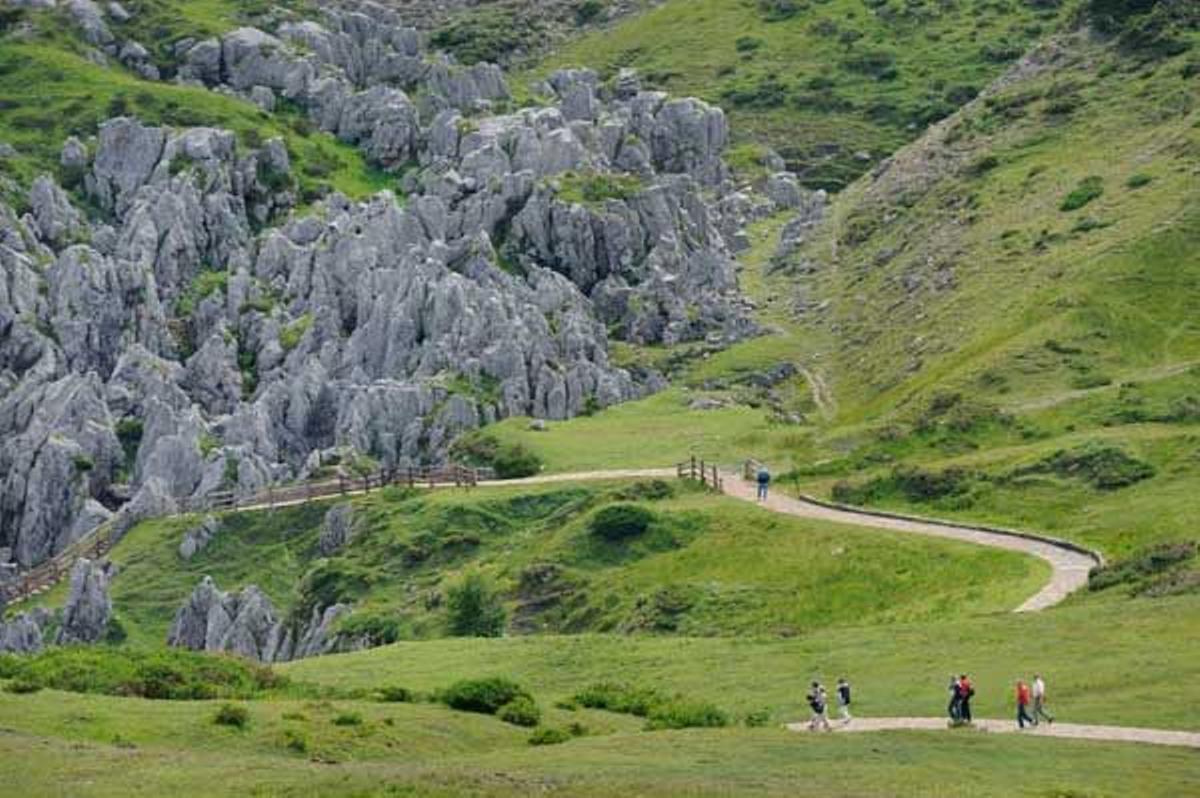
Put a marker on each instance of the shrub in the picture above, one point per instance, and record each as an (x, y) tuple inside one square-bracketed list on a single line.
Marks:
[(757, 719), (588, 11), (475, 609), (521, 711), (348, 719), (168, 674), (1089, 188), (662, 711), (650, 490), (549, 736), (485, 696), (1103, 467), (396, 694), (23, 687), (514, 461), (747, 44), (619, 522), (780, 10), (683, 714), (232, 715), (1139, 180), (295, 741), (1148, 562), (375, 629)]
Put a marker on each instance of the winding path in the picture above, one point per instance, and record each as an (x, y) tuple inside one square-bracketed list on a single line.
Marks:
[(1074, 731), (1069, 567)]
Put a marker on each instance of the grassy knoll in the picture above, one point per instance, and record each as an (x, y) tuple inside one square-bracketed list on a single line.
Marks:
[(706, 566), (833, 86), (1106, 661)]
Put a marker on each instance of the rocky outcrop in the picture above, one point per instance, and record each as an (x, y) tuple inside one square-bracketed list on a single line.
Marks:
[(21, 635), (337, 529), (86, 614), (229, 343), (196, 539), (246, 624)]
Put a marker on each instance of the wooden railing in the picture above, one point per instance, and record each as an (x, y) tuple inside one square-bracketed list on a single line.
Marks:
[(103, 538), (705, 473)]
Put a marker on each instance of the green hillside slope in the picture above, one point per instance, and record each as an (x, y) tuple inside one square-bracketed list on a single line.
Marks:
[(705, 566), (833, 86)]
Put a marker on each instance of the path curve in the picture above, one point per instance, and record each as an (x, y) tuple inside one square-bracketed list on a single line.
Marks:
[(1069, 568), (1074, 731)]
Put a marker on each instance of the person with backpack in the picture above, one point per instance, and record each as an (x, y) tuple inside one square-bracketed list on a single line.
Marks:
[(955, 700), (764, 482), (1039, 700), (1023, 699), (843, 695), (966, 691), (817, 703)]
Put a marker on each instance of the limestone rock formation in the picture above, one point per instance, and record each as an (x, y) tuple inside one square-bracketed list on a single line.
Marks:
[(248, 625), (88, 609), (197, 539), (337, 529)]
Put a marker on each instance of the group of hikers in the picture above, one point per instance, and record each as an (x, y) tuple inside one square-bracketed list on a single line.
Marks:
[(818, 702), (962, 691), (1030, 699)]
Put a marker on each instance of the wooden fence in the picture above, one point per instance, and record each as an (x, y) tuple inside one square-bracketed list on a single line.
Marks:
[(704, 473), (103, 538)]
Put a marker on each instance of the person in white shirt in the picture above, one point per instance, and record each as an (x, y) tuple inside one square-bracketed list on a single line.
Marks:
[(1039, 700)]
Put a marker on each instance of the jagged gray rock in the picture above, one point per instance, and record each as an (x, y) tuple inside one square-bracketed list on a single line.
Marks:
[(337, 529), (21, 635), (197, 538), (246, 624), (88, 609)]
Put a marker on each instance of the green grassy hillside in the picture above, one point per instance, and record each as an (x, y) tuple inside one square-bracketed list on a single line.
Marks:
[(706, 566), (834, 86)]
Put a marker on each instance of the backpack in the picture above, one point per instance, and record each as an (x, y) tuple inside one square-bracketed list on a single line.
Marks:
[(764, 477)]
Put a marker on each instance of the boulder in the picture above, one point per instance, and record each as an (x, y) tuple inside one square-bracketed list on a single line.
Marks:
[(337, 529), (198, 537), (88, 609)]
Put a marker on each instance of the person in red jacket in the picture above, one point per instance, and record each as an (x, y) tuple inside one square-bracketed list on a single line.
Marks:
[(966, 691), (1023, 698)]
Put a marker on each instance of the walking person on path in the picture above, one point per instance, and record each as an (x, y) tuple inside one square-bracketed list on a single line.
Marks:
[(966, 691), (817, 702), (764, 482), (1039, 700), (1023, 699), (843, 694), (955, 700)]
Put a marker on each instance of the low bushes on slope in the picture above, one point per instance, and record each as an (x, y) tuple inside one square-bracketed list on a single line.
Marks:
[(1103, 467), (485, 696), (1155, 571), (661, 710), (167, 674)]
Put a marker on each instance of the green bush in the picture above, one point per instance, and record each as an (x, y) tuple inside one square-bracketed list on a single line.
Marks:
[(549, 736), (514, 461), (348, 719), (619, 522), (168, 674), (295, 741), (521, 711), (1089, 188), (475, 609), (22, 687), (1139, 180), (485, 696), (1148, 562), (232, 715), (661, 711), (377, 629), (649, 490), (1101, 466), (396, 695)]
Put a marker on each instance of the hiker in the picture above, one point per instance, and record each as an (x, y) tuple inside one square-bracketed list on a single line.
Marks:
[(843, 695), (966, 691), (764, 482), (1023, 699), (955, 700), (816, 702), (1039, 700)]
